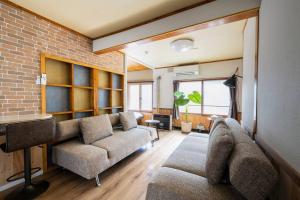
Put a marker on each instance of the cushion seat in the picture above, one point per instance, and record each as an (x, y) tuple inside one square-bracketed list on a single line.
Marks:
[(199, 135), (123, 143), (195, 144), (151, 130), (190, 156), (187, 161), (170, 184), (85, 160)]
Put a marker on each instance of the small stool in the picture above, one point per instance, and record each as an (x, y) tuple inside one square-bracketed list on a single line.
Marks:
[(155, 123), (24, 135)]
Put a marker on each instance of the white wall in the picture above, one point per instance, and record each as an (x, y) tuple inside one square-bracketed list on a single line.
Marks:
[(279, 78), (249, 65), (144, 75), (210, 70)]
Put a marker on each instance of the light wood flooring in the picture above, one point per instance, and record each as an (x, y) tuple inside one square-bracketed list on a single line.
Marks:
[(127, 180)]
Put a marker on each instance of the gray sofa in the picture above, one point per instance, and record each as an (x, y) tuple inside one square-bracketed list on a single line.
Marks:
[(89, 160), (184, 176)]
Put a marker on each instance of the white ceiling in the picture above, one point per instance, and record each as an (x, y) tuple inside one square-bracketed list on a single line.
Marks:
[(95, 18), (217, 43)]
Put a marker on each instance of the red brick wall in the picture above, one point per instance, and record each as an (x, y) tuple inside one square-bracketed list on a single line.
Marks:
[(23, 37)]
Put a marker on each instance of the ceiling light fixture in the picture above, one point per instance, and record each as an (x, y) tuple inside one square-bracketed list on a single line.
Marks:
[(182, 45)]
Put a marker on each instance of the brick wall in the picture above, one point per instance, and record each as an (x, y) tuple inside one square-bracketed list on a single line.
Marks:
[(23, 37)]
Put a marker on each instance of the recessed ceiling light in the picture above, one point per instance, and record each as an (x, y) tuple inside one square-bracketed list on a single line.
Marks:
[(182, 45)]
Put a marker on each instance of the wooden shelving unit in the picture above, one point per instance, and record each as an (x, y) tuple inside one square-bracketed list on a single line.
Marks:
[(76, 90)]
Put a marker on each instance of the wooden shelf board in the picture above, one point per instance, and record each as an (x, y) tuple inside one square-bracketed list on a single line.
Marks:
[(60, 113), (88, 110), (58, 85), (105, 108), (83, 87), (117, 107), (104, 88), (117, 89)]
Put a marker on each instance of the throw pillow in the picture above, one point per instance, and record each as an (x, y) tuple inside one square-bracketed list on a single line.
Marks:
[(219, 120), (95, 128), (128, 120), (219, 149)]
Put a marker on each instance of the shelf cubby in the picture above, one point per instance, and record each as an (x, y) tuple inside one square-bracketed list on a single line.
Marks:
[(104, 111), (116, 110), (58, 99), (58, 72), (78, 115), (104, 79), (62, 117), (103, 98), (117, 81), (82, 76), (117, 98), (83, 99)]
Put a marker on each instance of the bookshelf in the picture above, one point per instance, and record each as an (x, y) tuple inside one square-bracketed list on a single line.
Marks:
[(76, 90)]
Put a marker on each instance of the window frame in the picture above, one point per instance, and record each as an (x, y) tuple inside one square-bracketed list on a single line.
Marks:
[(202, 93), (140, 83)]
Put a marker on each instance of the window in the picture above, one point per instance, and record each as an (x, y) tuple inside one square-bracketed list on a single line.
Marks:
[(140, 96), (215, 96), (188, 87)]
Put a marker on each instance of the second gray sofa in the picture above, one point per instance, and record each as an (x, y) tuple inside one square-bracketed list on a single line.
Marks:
[(89, 160), (185, 174)]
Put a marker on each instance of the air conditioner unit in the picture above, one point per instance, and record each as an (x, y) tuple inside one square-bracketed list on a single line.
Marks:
[(186, 71)]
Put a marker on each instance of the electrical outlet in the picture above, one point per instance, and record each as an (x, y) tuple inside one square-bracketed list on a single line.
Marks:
[(38, 80), (44, 79)]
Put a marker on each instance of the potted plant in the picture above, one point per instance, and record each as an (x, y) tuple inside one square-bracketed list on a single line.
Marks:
[(182, 100)]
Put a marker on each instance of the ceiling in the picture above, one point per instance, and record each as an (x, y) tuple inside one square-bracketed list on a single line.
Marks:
[(212, 44), (95, 18), (133, 65)]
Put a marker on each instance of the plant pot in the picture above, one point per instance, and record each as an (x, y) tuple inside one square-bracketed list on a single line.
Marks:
[(186, 127)]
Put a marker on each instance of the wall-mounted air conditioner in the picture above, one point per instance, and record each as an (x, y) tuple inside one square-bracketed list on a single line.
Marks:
[(186, 71)]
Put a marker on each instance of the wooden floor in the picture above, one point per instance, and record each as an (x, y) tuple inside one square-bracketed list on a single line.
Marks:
[(127, 180)]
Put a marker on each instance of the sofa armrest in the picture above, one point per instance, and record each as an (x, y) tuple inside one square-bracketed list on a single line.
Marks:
[(173, 184)]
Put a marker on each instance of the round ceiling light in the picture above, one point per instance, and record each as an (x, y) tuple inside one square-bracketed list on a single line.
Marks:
[(182, 45)]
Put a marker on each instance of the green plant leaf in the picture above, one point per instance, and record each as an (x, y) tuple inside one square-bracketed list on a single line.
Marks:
[(178, 94), (181, 101), (195, 97)]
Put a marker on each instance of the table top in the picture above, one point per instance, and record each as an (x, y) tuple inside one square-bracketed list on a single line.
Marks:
[(152, 121), (23, 118)]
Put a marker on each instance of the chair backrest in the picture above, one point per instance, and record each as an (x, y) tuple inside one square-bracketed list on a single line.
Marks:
[(27, 134)]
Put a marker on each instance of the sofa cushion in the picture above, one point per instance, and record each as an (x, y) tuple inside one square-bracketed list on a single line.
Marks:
[(198, 135), (219, 149), (239, 134), (95, 128), (151, 130), (123, 143), (218, 121), (187, 161), (128, 120), (250, 172), (173, 184), (189, 156), (82, 159), (195, 144), (67, 129), (114, 119)]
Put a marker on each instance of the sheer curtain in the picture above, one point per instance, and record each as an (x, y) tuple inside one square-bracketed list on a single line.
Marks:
[(175, 108)]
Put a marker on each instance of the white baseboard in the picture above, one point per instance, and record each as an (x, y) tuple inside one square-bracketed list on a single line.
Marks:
[(17, 182)]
